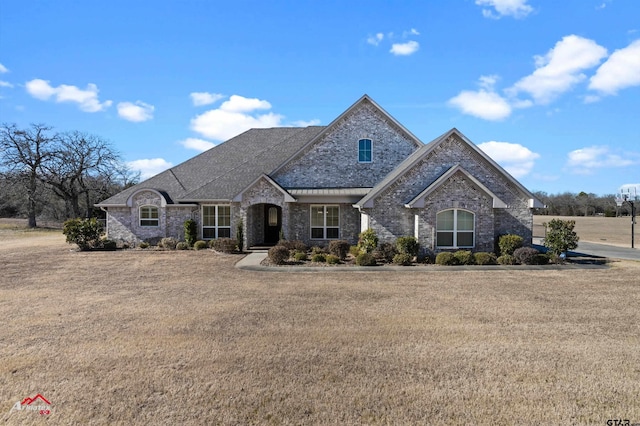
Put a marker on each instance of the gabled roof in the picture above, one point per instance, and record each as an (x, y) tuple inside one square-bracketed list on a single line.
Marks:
[(287, 196), (418, 200), (421, 153)]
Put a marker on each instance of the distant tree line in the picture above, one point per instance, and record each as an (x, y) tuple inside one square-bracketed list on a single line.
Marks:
[(580, 204), (56, 175)]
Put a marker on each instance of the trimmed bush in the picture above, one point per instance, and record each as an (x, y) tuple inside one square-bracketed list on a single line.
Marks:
[(224, 245), (199, 245), (403, 259), (182, 245), (339, 248), (385, 252), (526, 255), (407, 245), (368, 241), (278, 254), (169, 243), (542, 259), (318, 250), (560, 236), (332, 259), (446, 258), (300, 256), (507, 259), (365, 259), (509, 243), (240, 235), (485, 258), (83, 232), (465, 257), (296, 245), (319, 258), (190, 232), (109, 245), (354, 251), (144, 245)]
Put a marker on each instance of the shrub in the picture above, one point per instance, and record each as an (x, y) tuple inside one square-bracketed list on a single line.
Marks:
[(542, 259), (365, 259), (182, 245), (403, 259), (526, 255), (368, 241), (446, 258), (224, 245), (300, 256), (199, 245), (465, 257), (319, 257), (560, 236), (278, 254), (385, 252), (109, 245), (332, 259), (240, 235), (143, 245), (407, 245), (318, 250), (190, 231), (169, 243), (296, 245), (354, 251), (83, 232), (507, 259), (339, 248), (485, 258), (509, 243)]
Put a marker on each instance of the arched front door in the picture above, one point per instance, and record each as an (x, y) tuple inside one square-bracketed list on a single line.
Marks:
[(272, 223)]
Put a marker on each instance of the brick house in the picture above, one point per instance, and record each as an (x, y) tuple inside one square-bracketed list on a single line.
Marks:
[(318, 183)]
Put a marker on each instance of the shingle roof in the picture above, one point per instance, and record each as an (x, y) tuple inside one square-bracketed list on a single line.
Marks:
[(226, 169)]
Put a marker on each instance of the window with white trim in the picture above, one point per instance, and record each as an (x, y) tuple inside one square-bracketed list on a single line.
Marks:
[(365, 151), (455, 228), (325, 222), (149, 216), (216, 222)]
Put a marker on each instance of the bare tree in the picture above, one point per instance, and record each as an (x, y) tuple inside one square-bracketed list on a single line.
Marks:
[(22, 154)]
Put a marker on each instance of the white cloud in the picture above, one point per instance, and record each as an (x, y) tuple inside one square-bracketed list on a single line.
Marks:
[(484, 103), (375, 39), (621, 70), (515, 158), (5, 84), (197, 144), (234, 116), (149, 167), (3, 69), (136, 112), (405, 49), (516, 8), (560, 69), (205, 98), (306, 123), (86, 99), (585, 160)]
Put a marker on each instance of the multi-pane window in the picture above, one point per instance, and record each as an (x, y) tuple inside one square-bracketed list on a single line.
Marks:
[(455, 229), (216, 222), (325, 222), (365, 147), (149, 216)]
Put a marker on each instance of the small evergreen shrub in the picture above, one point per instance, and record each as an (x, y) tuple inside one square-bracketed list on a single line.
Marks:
[(109, 245), (296, 245), (278, 254), (542, 259), (199, 245), (83, 232), (407, 245), (182, 245), (319, 258), (368, 241), (143, 245), (509, 243), (526, 255), (190, 232), (169, 243), (446, 258), (318, 250), (485, 258), (300, 256), (507, 259), (332, 259), (403, 259), (339, 248), (385, 252), (354, 251), (560, 236), (240, 235), (365, 259), (224, 245), (464, 257)]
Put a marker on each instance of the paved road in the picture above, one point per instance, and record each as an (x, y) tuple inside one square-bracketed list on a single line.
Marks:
[(603, 250)]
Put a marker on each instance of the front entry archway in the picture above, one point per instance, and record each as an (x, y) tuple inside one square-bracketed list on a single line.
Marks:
[(272, 223)]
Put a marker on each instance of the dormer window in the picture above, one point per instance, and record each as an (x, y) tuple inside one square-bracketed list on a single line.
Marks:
[(365, 151)]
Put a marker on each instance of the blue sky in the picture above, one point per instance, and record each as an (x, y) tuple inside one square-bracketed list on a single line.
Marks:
[(549, 89)]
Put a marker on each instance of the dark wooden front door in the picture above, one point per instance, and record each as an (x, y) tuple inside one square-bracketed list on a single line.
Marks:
[(272, 223)]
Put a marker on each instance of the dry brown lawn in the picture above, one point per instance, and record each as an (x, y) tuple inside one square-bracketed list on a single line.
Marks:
[(614, 231), (152, 337)]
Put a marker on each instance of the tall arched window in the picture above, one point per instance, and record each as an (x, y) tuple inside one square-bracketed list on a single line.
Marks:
[(455, 228), (149, 216)]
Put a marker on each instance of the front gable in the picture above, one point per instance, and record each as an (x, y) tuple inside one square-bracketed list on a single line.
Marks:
[(331, 159)]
